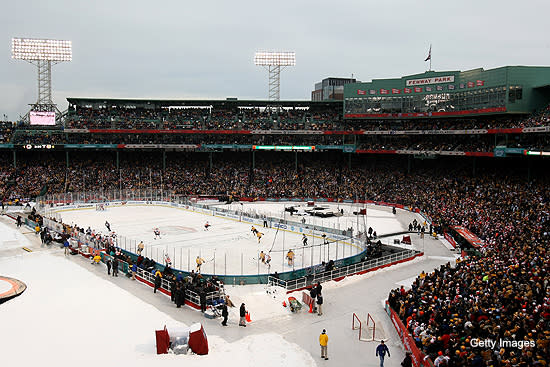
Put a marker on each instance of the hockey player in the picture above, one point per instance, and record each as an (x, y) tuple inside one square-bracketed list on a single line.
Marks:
[(267, 259), (304, 239), (108, 226), (140, 248), (290, 257), (199, 262), (259, 235), (254, 230), (167, 260), (262, 257), (206, 226), (156, 231)]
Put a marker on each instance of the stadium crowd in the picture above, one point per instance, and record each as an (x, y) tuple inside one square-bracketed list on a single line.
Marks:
[(207, 118), (502, 295)]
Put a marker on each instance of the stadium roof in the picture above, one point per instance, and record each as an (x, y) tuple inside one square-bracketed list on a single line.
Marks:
[(201, 102)]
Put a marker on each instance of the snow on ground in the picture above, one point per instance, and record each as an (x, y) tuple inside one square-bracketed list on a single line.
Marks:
[(10, 239), (229, 246)]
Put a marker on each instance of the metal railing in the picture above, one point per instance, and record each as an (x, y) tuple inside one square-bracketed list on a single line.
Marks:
[(326, 276), (50, 200), (189, 294), (46, 204)]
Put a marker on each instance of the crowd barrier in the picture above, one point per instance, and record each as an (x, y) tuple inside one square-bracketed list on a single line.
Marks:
[(419, 359), (341, 272), (147, 277)]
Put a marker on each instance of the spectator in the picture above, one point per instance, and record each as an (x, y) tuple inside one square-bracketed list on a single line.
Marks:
[(242, 314), (319, 304), (323, 341), (158, 281), (381, 351), (225, 313), (407, 361), (115, 267)]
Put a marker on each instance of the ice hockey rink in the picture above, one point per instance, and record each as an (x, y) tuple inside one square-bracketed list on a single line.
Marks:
[(228, 246)]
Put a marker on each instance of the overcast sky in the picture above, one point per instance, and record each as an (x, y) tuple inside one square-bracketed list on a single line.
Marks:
[(205, 49)]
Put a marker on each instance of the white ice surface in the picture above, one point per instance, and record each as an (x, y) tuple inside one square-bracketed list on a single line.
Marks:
[(229, 247)]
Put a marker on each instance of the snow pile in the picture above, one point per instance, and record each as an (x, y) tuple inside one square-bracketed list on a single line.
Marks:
[(69, 316), (10, 239)]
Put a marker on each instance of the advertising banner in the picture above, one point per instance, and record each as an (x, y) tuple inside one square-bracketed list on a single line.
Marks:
[(474, 240), (434, 80), (450, 239)]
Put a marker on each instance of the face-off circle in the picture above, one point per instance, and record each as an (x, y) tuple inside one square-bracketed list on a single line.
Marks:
[(10, 288)]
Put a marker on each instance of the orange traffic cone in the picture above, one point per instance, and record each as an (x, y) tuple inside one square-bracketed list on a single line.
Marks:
[(284, 303), (311, 307), (247, 316)]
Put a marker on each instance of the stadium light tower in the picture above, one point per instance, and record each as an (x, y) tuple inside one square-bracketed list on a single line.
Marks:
[(273, 61), (42, 53)]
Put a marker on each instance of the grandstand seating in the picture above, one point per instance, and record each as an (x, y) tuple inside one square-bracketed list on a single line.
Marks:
[(254, 126)]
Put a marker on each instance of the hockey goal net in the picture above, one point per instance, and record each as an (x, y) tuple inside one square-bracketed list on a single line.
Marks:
[(100, 207), (369, 330)]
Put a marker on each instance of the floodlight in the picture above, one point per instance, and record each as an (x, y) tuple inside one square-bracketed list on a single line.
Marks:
[(41, 49), (42, 53), (273, 61)]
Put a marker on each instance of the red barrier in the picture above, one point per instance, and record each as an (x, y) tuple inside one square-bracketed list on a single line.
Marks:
[(163, 341), (450, 239), (418, 357)]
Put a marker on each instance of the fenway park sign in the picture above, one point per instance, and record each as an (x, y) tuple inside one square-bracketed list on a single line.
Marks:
[(434, 80)]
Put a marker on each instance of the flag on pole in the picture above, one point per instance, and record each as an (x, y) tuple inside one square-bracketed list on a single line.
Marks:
[(429, 54)]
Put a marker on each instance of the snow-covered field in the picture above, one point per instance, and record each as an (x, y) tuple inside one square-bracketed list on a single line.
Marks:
[(69, 317), (229, 246)]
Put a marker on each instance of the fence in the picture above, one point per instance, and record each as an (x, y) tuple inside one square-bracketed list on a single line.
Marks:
[(190, 295), (338, 273), (148, 277), (153, 195)]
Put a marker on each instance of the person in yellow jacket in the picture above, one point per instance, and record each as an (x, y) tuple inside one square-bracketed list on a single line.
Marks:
[(323, 341), (290, 257), (199, 262), (96, 259), (259, 235)]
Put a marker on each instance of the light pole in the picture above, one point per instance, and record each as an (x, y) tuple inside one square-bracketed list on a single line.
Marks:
[(42, 53), (273, 61)]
